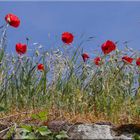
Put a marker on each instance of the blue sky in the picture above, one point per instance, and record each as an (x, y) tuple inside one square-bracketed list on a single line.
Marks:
[(44, 22)]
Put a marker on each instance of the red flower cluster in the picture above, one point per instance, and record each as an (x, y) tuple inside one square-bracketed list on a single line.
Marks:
[(21, 48), (97, 60), (85, 56), (108, 47), (67, 38), (138, 61), (40, 67), (127, 59), (12, 20)]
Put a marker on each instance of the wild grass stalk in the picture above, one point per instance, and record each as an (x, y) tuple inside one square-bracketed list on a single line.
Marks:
[(69, 84)]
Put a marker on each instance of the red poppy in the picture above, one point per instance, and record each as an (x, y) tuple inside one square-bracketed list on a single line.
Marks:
[(67, 37), (127, 59), (12, 20), (40, 67), (138, 61), (21, 48), (97, 60), (85, 56), (108, 47)]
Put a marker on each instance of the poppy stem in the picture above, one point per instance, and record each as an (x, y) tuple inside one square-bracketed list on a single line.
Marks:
[(3, 36), (2, 42), (27, 39), (2, 26)]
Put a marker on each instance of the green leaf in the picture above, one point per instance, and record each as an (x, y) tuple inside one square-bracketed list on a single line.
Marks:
[(62, 135), (27, 128), (136, 137), (43, 115), (35, 116), (40, 116), (44, 131), (29, 136)]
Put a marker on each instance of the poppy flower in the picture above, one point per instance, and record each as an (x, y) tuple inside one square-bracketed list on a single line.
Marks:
[(127, 59), (21, 48), (108, 47), (12, 20), (85, 56), (40, 67), (67, 37), (97, 60), (138, 61)]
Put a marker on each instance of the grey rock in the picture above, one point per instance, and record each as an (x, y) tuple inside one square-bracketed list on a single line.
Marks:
[(94, 131)]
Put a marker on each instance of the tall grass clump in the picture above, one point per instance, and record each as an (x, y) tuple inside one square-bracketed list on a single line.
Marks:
[(105, 86)]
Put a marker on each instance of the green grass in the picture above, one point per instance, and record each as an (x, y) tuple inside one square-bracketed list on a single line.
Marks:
[(69, 85)]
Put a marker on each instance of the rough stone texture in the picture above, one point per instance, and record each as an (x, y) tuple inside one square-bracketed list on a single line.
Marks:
[(89, 131)]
